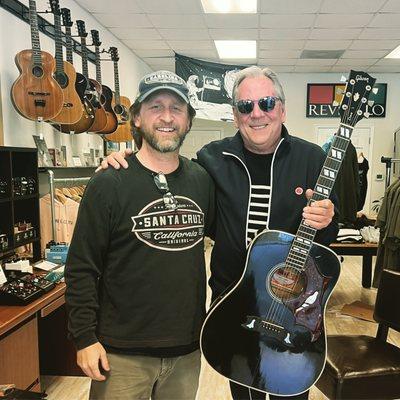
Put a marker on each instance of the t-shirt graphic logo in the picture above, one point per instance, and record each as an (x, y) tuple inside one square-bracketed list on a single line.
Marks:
[(171, 230)]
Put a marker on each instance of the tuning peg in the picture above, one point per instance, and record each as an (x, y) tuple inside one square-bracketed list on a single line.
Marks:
[(356, 96), (371, 103), (375, 90), (343, 79), (366, 114)]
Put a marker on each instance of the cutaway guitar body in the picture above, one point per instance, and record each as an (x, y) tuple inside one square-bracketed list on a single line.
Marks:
[(100, 116), (123, 131), (87, 118), (106, 100)]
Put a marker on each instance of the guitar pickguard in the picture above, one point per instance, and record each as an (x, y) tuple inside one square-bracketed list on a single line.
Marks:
[(307, 308)]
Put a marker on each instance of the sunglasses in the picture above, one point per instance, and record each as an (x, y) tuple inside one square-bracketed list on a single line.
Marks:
[(247, 106), (170, 201)]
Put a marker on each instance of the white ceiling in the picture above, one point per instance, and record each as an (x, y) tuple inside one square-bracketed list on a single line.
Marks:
[(366, 30)]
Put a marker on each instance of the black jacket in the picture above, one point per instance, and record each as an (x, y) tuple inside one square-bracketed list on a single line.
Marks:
[(296, 164)]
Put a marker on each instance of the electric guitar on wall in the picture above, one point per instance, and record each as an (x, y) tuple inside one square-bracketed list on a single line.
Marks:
[(93, 91), (121, 105), (65, 75), (36, 94), (268, 332), (106, 92), (81, 83)]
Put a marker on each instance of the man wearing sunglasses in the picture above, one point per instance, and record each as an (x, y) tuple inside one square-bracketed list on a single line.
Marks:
[(135, 271), (262, 176)]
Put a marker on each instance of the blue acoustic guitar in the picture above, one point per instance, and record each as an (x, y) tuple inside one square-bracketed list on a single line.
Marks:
[(268, 332)]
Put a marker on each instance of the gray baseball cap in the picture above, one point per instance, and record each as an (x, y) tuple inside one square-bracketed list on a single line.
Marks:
[(162, 80)]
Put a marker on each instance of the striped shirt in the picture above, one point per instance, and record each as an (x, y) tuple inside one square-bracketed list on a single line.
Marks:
[(259, 166)]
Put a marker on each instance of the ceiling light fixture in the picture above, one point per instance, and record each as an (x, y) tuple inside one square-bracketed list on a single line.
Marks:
[(229, 6), (395, 53), (241, 49)]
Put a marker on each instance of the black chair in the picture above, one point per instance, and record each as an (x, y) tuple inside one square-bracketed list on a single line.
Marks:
[(365, 367)]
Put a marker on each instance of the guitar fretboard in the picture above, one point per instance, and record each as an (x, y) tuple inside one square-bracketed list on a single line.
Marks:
[(85, 69), (305, 235), (98, 67), (116, 83), (37, 56), (68, 43), (58, 43)]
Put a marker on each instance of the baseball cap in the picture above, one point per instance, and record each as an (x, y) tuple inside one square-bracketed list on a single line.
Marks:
[(162, 80)]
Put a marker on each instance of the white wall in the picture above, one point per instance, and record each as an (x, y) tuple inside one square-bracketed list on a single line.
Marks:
[(15, 36), (295, 86)]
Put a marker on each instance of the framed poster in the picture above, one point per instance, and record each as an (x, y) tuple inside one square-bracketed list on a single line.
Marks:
[(323, 100)]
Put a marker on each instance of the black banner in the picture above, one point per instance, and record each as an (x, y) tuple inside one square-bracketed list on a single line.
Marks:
[(210, 86)]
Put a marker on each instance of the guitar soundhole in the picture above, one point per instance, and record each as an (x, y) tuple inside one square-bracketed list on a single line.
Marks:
[(61, 79), (37, 71), (118, 109), (286, 283)]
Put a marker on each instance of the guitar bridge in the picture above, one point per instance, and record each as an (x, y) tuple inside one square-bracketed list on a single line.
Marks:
[(40, 103), (268, 328)]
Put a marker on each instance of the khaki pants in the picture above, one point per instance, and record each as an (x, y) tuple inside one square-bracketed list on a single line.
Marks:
[(139, 377)]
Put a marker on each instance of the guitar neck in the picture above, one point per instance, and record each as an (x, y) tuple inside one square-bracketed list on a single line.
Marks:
[(116, 83), (98, 67), (85, 69), (37, 58), (58, 43), (305, 235), (68, 42)]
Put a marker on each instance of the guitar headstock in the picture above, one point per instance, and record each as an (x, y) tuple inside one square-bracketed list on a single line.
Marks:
[(95, 37), (81, 28), (55, 7), (114, 53), (354, 106), (66, 17)]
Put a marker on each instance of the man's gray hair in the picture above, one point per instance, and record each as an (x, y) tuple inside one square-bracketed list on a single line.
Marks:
[(255, 71)]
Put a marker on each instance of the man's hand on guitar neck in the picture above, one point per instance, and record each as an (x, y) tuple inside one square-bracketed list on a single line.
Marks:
[(319, 214), (116, 159)]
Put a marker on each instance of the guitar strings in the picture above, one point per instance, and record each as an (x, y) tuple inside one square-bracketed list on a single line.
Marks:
[(275, 304)]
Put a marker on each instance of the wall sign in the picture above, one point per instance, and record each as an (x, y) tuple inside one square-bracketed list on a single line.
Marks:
[(323, 100)]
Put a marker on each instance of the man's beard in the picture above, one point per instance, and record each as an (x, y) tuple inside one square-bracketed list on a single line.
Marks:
[(154, 141)]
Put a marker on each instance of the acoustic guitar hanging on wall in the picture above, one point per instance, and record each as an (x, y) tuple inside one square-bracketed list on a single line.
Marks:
[(36, 94), (94, 90), (106, 93), (65, 75), (121, 105), (81, 83)]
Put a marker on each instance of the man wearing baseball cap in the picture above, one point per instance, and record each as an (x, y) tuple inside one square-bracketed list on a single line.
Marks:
[(135, 271)]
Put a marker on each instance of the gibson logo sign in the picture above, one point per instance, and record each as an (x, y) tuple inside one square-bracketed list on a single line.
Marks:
[(323, 100)]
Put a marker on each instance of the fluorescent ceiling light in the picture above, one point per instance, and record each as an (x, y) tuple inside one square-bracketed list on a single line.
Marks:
[(395, 53), (229, 6), (229, 49)]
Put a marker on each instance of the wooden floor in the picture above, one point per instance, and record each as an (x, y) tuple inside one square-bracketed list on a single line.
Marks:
[(215, 387)]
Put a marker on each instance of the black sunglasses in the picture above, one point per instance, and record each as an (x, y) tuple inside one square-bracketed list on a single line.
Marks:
[(170, 201), (266, 104)]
